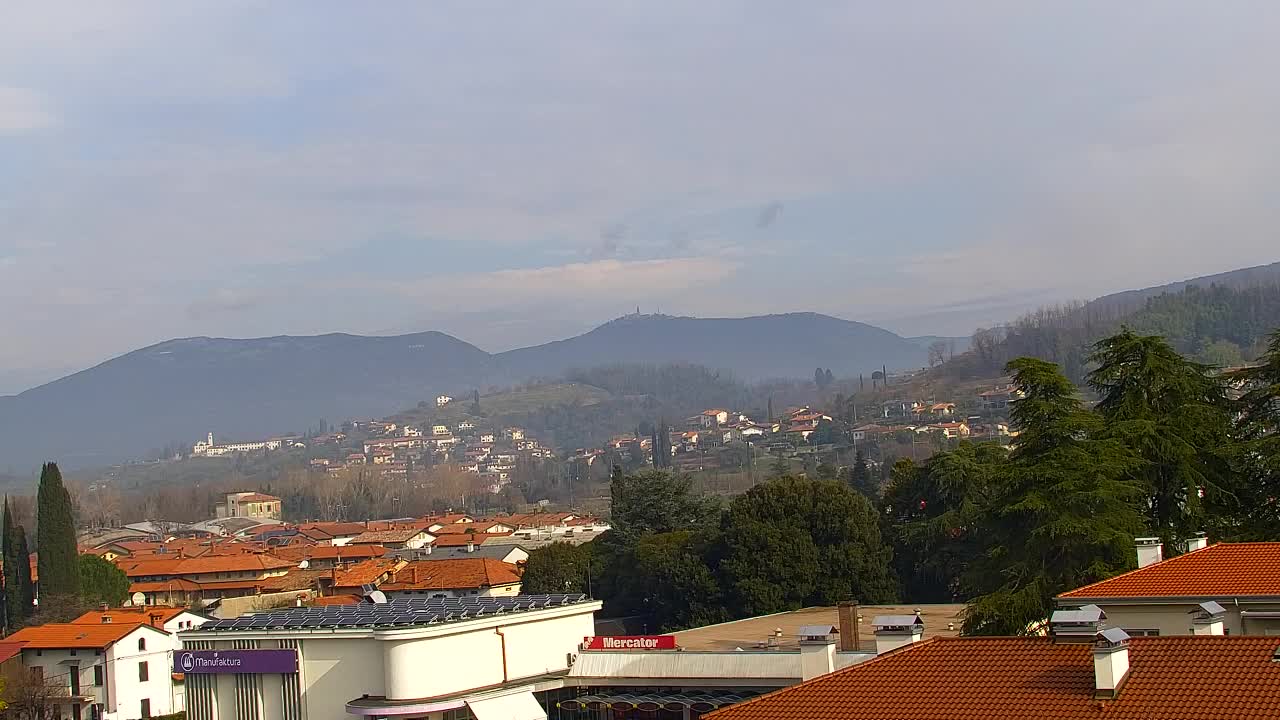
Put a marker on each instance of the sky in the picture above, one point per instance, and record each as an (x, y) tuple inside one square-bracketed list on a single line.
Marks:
[(516, 172)]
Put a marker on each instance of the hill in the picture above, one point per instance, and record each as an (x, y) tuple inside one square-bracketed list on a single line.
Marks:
[(752, 348), (170, 394), (176, 391), (1220, 319)]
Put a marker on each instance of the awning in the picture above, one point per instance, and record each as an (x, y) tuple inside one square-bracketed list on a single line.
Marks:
[(700, 701), (520, 706)]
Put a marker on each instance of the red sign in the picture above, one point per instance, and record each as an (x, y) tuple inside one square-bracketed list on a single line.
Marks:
[(630, 642)]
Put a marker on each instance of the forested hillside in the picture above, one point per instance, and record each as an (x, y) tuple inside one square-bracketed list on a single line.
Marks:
[(1218, 324)]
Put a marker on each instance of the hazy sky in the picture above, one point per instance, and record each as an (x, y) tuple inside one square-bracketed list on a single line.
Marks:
[(519, 171)]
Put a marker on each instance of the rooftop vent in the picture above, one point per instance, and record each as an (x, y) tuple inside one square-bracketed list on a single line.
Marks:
[(1079, 625), (1207, 619), (895, 631), (1110, 662)]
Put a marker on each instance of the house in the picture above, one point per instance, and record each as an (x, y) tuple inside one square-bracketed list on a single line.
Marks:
[(351, 579), (467, 577), (466, 425), (250, 505), (942, 409), (442, 400), (410, 538), (169, 619), (207, 448), (1105, 674), (487, 437), (410, 431), (998, 399), (339, 533), (172, 581), (382, 457), (714, 418), (510, 554), (951, 430), (323, 557), (1168, 597), (109, 670), (439, 430), (513, 433), (394, 443)]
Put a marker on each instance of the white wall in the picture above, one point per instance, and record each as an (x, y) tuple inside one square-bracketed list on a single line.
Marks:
[(335, 671), (1176, 619), (127, 691)]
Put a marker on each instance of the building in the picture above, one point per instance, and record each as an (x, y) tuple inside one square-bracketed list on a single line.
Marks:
[(108, 670), (207, 448), (998, 399), (442, 400), (455, 578), (1168, 597), (488, 658), (410, 538), (1103, 675), (250, 505), (161, 580)]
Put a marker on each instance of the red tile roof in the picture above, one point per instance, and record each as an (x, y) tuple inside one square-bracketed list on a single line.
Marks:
[(152, 565), (1191, 678), (462, 573), (130, 615), (335, 600), (71, 635), (364, 573), (172, 585), (9, 650), (1222, 570), (461, 540), (378, 537)]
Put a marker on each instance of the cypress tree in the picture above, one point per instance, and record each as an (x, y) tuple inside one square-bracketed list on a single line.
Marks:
[(56, 537), (26, 588), (12, 590)]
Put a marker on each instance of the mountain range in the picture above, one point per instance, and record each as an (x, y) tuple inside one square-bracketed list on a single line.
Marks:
[(178, 390)]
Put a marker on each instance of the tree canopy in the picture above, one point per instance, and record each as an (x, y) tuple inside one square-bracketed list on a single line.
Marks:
[(56, 536), (102, 582)]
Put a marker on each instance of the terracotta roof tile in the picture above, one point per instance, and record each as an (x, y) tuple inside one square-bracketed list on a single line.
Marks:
[(72, 635), (174, 584), (364, 573), (130, 615), (1222, 570), (1200, 678), (462, 573), (243, 562), (378, 537), (460, 540)]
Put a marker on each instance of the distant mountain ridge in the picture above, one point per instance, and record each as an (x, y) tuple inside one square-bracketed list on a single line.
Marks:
[(177, 390)]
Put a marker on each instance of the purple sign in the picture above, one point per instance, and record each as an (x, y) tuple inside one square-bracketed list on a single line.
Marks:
[(203, 662)]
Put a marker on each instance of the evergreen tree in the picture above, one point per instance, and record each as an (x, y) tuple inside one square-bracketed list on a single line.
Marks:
[(1061, 513), (15, 612), (557, 568), (102, 582), (1173, 413), (1257, 454), (26, 586), (792, 543), (828, 378), (860, 478), (56, 536)]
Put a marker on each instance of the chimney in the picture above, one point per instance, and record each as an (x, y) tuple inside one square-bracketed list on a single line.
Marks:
[(817, 650), (427, 548), (1110, 662), (847, 613), (471, 546), (104, 607), (106, 619), (415, 574), (1207, 619), (155, 620), (1150, 551), (1199, 542), (895, 631)]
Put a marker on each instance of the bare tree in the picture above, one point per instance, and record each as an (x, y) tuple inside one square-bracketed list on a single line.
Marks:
[(937, 352), (30, 697)]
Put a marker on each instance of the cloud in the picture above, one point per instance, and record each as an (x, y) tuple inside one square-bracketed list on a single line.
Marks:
[(23, 110)]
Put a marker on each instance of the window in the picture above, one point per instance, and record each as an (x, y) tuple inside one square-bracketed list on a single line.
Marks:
[(97, 676), (142, 644), (143, 673), (73, 652), (146, 707), (1143, 633)]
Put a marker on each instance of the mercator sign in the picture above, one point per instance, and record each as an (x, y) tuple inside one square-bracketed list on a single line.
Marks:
[(630, 642), (208, 662)]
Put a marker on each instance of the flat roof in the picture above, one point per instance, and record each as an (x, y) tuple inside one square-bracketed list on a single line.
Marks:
[(752, 632)]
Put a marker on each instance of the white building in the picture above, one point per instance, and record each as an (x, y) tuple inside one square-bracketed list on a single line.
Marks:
[(113, 664), (483, 658), (442, 400), (207, 448)]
